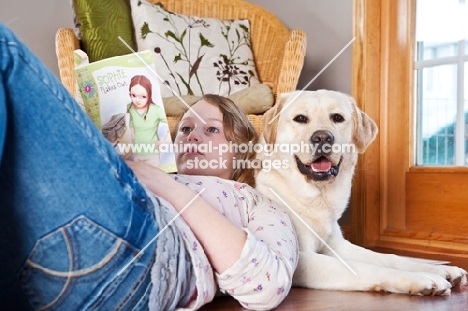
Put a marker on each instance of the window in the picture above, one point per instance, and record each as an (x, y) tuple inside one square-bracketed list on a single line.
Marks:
[(395, 204), (441, 88)]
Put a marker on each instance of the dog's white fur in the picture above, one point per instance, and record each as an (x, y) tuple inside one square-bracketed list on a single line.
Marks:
[(321, 203)]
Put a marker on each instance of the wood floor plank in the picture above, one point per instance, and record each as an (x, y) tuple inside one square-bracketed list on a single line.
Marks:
[(301, 299)]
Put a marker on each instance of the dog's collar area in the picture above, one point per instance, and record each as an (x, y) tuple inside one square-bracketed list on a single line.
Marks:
[(319, 170)]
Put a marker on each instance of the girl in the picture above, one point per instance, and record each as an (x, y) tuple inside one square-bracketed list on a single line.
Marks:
[(145, 117), (80, 230)]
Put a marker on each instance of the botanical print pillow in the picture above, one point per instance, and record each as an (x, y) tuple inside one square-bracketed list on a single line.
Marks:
[(195, 56)]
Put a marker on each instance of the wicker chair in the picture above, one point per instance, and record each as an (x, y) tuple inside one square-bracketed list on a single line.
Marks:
[(278, 52)]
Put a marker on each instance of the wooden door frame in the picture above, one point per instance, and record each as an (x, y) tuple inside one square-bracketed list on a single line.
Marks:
[(382, 73), (365, 86)]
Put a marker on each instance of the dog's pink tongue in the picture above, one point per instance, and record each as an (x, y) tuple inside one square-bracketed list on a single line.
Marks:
[(321, 165)]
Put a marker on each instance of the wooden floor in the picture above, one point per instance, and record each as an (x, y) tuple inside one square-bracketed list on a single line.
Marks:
[(300, 299)]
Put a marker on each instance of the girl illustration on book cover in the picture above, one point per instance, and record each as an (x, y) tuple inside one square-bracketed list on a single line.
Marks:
[(145, 118)]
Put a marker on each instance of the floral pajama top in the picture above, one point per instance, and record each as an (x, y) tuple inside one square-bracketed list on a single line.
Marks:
[(262, 276)]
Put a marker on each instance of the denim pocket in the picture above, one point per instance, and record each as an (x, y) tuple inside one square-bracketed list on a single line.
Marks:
[(70, 268)]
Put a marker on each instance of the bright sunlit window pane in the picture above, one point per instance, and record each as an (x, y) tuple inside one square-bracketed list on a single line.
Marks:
[(441, 91), (434, 50), (437, 114)]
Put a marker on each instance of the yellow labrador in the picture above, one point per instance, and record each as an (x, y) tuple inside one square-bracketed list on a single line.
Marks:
[(316, 183)]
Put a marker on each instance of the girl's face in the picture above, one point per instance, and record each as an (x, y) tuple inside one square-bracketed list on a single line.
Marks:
[(202, 152), (139, 96)]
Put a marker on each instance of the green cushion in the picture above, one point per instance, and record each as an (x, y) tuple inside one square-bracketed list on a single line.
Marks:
[(101, 23)]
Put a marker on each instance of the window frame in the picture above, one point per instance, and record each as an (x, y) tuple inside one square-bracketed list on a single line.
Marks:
[(382, 215), (459, 61)]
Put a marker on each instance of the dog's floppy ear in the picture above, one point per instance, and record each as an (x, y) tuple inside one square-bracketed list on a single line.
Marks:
[(365, 129), (270, 120)]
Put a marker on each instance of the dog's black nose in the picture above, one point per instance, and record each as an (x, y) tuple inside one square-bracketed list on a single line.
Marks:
[(322, 142), (322, 137)]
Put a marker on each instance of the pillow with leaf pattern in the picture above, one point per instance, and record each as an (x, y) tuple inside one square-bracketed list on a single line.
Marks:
[(195, 56)]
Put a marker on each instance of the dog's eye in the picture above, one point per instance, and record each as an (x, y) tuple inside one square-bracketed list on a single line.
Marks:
[(301, 119), (337, 118)]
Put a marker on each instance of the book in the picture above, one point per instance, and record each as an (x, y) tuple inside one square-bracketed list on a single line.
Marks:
[(122, 97)]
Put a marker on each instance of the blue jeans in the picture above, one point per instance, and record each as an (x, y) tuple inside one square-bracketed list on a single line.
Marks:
[(72, 214)]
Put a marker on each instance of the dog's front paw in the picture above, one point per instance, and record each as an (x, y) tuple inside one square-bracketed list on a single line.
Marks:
[(421, 283), (454, 275), (440, 286)]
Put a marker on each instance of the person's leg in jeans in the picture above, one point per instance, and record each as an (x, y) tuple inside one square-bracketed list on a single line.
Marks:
[(72, 214)]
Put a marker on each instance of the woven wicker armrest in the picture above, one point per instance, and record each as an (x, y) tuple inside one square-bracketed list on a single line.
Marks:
[(65, 43)]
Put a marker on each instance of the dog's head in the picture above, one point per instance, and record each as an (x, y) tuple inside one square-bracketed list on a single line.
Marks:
[(328, 122)]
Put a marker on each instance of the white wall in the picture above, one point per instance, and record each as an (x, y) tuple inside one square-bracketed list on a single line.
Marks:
[(327, 23), (36, 22), (329, 27)]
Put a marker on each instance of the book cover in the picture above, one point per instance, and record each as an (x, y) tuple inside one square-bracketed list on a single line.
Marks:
[(122, 97)]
